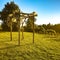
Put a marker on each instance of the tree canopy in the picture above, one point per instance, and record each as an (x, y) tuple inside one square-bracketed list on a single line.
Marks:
[(9, 8)]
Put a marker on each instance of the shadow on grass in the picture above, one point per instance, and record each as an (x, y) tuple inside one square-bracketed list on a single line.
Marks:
[(9, 47), (14, 46)]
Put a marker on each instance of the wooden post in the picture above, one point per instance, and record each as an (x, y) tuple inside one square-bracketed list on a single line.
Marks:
[(19, 32), (32, 18), (11, 29), (11, 32), (10, 21), (17, 14), (33, 28), (18, 18), (34, 14), (22, 32), (23, 29)]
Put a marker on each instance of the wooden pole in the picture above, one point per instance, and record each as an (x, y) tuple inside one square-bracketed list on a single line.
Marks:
[(34, 14), (10, 21), (23, 29), (11, 30), (33, 29), (18, 32), (22, 32)]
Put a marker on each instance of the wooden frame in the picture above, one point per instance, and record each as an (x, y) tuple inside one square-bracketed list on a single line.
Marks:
[(18, 18)]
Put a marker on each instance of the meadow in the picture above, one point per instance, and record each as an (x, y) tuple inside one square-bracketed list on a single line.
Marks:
[(45, 47)]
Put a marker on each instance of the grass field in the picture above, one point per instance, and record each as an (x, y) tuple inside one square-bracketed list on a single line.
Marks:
[(46, 47)]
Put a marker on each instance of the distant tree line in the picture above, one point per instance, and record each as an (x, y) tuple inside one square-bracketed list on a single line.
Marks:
[(37, 28), (44, 28)]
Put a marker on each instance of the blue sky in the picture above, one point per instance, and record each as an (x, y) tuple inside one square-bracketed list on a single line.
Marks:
[(47, 10)]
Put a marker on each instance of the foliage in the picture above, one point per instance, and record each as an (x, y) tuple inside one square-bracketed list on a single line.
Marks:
[(5, 27), (9, 8), (29, 24), (41, 29), (51, 31), (14, 27), (53, 28), (56, 27)]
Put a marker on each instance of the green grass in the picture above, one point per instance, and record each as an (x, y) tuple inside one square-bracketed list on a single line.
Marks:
[(46, 47)]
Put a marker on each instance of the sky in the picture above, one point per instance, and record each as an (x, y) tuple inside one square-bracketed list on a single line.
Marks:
[(48, 10)]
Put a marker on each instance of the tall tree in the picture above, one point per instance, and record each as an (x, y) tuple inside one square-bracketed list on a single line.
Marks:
[(10, 8), (7, 15)]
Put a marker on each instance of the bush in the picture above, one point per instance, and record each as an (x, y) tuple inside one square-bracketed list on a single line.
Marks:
[(51, 32)]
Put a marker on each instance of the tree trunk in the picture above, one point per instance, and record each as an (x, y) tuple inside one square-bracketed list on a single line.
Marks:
[(19, 32), (33, 29), (22, 32), (11, 31)]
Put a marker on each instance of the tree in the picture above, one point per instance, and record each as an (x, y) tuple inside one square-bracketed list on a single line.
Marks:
[(10, 8), (51, 31), (0, 14), (49, 26), (41, 29), (29, 24), (56, 27), (45, 26), (7, 15)]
